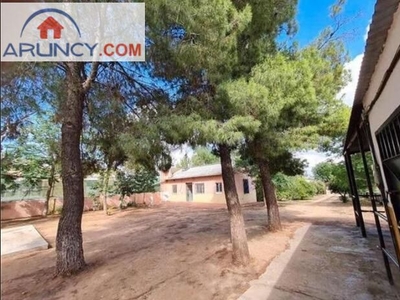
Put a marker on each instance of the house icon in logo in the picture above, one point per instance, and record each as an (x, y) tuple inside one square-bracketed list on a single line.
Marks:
[(50, 24)]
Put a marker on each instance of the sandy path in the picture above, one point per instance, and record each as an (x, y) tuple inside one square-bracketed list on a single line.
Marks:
[(176, 251)]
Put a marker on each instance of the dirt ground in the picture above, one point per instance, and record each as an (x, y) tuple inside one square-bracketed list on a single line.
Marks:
[(173, 251)]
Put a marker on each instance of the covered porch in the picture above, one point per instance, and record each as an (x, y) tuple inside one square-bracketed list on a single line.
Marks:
[(382, 187)]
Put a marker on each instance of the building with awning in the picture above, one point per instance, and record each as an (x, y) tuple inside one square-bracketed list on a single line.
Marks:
[(375, 128)]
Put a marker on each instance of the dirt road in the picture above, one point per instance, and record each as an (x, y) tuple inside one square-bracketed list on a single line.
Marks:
[(176, 251)]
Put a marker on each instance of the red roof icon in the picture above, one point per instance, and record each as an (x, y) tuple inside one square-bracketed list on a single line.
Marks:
[(50, 24)]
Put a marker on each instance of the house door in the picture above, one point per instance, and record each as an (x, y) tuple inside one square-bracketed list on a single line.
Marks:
[(189, 192)]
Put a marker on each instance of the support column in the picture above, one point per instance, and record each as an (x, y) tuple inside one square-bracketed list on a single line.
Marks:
[(356, 197), (373, 203), (351, 190)]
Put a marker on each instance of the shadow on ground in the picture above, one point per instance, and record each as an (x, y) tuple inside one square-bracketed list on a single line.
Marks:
[(328, 259), (183, 251)]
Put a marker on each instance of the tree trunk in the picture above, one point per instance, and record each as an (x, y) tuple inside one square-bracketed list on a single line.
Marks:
[(49, 189), (121, 200), (54, 205), (274, 221), (105, 188), (240, 248), (69, 248)]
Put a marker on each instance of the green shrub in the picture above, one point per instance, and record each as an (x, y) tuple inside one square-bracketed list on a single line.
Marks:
[(284, 186), (320, 186), (296, 187), (303, 189)]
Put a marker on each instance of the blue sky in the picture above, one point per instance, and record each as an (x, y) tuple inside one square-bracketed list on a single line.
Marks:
[(313, 16)]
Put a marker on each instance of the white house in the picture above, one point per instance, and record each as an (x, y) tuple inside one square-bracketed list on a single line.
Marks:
[(375, 127)]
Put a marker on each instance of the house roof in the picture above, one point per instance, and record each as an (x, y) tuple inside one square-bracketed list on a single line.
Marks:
[(194, 172), (380, 25)]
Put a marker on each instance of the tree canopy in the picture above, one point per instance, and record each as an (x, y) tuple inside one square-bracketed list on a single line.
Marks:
[(216, 76), (335, 175), (202, 156)]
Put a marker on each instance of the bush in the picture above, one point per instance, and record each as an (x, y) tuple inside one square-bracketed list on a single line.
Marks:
[(284, 186), (303, 189), (320, 186), (295, 187)]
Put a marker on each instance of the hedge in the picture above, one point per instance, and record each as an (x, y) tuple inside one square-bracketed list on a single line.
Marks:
[(296, 187)]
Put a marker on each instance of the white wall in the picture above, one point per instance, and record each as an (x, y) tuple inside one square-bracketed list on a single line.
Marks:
[(385, 59), (389, 100)]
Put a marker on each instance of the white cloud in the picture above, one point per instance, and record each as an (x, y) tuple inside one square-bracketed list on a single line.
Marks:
[(367, 30), (348, 92), (179, 153), (354, 66), (313, 157), (366, 34)]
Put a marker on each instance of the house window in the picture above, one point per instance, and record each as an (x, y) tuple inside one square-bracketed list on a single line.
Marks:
[(199, 188), (218, 187), (246, 186), (174, 189)]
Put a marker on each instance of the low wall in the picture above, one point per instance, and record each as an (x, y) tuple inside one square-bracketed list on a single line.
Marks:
[(33, 208), (148, 199), (22, 209)]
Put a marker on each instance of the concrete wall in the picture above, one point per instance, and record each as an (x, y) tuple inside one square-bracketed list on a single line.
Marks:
[(389, 100), (33, 208), (22, 209), (210, 194), (245, 198), (11, 210), (387, 103)]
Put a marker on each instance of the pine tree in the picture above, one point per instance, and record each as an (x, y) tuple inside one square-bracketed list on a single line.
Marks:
[(69, 247), (144, 180), (204, 46), (292, 97), (203, 156)]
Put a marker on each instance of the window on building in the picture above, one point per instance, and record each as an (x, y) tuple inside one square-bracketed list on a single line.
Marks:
[(388, 138), (218, 187), (246, 186), (389, 145), (199, 188), (174, 189)]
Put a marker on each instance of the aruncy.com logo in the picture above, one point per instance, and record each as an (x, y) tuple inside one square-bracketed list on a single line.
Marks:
[(72, 32)]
